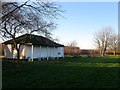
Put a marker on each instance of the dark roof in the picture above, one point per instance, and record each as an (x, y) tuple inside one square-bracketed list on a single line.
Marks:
[(35, 40)]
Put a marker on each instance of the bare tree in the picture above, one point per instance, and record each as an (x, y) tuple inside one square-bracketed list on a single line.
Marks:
[(118, 43), (72, 44), (113, 43), (102, 39), (28, 17), (72, 47)]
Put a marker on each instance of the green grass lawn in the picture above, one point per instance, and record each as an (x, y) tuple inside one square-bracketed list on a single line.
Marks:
[(100, 72)]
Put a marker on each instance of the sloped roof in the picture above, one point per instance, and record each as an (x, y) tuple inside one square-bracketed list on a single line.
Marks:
[(35, 40)]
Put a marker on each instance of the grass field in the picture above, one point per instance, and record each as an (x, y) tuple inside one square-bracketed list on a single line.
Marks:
[(78, 72)]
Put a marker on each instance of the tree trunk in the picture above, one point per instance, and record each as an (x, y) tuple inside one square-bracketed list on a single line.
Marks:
[(18, 54), (103, 53), (114, 53), (100, 52)]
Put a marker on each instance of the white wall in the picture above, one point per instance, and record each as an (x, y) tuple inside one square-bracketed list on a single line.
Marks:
[(44, 52), (28, 51), (60, 51), (8, 51), (38, 52), (22, 51)]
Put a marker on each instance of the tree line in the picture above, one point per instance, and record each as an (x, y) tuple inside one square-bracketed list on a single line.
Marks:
[(105, 39)]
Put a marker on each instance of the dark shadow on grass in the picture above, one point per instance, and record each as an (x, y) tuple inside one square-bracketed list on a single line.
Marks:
[(59, 74)]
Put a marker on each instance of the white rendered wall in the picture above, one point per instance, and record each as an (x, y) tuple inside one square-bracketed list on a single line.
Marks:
[(60, 51), (28, 51), (44, 52), (38, 52), (22, 51), (8, 51)]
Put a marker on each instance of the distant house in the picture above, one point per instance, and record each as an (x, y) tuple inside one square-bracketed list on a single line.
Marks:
[(34, 46)]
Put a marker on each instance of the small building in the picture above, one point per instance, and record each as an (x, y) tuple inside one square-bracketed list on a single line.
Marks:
[(34, 47)]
